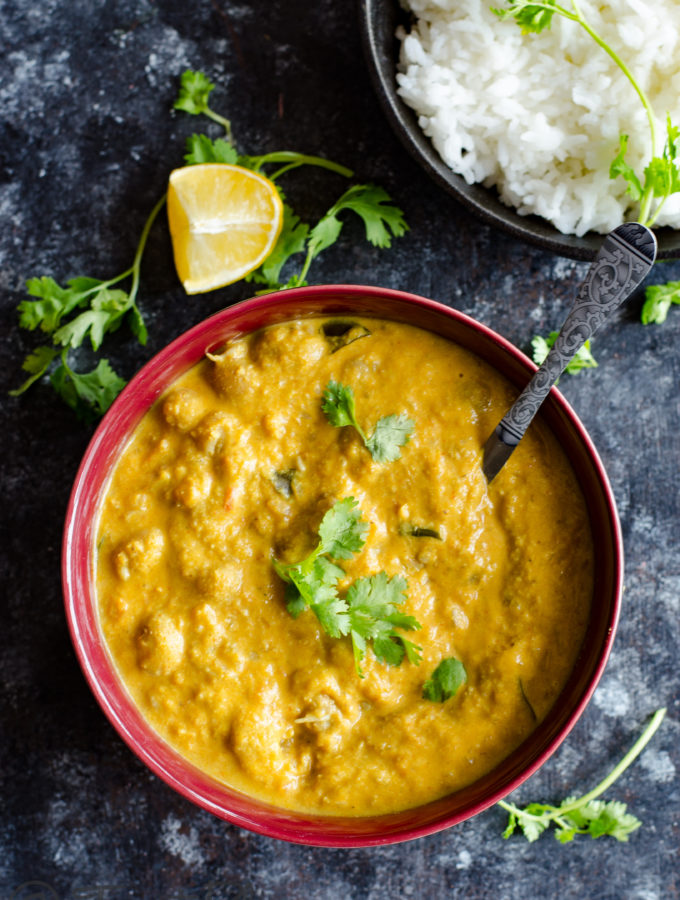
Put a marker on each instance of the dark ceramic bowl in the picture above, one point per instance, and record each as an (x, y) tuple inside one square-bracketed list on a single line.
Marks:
[(79, 551), (378, 21)]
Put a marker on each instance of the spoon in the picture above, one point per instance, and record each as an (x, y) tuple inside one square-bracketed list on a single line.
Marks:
[(623, 261)]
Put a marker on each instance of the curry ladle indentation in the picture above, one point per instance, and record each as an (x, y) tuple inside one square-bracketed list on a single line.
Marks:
[(625, 258)]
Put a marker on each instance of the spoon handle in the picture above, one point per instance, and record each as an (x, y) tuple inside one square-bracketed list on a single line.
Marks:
[(623, 261)]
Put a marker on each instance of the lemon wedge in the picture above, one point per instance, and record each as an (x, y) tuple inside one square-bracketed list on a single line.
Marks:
[(224, 221)]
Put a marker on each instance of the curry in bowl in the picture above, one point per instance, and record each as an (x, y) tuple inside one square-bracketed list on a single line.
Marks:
[(332, 615)]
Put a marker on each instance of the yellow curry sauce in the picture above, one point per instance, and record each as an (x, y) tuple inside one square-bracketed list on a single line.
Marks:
[(237, 464)]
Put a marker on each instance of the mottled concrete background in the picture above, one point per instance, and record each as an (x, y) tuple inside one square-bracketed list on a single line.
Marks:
[(87, 140)]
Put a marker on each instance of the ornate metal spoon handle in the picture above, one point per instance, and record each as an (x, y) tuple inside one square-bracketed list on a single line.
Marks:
[(625, 258)]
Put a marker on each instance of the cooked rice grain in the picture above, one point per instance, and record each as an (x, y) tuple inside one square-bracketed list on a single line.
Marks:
[(539, 116)]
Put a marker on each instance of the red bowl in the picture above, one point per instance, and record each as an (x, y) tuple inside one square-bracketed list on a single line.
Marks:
[(78, 569)]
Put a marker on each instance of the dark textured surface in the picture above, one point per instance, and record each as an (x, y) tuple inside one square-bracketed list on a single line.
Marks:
[(86, 144)]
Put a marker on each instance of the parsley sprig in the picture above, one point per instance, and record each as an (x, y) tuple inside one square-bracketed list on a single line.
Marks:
[(390, 432), (586, 814), (661, 176), (369, 612)]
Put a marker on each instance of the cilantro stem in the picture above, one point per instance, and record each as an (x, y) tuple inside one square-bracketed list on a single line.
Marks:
[(577, 16), (292, 160), (216, 117), (618, 770), (629, 75), (647, 198), (305, 266), (652, 219), (615, 773), (134, 270)]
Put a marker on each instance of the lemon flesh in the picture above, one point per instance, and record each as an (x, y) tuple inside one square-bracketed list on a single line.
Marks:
[(224, 222)]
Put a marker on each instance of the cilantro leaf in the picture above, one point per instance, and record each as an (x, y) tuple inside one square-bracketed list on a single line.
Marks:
[(201, 149), (661, 174), (137, 324), (598, 818), (317, 589), (531, 17), (195, 88), (339, 406), (613, 819), (583, 359), (381, 219), (658, 300), (510, 827), (36, 364), (445, 681), (324, 234), (295, 602), (55, 301), (89, 394), (374, 616), (291, 240), (389, 435), (107, 309), (531, 821), (342, 531), (331, 611)]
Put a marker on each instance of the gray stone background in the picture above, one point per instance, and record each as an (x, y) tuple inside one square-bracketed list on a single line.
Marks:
[(87, 141)]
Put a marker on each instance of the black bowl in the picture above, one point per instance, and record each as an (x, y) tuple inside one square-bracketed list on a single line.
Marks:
[(378, 22)]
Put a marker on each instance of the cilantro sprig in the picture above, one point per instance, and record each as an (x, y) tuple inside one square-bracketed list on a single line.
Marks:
[(374, 617), (369, 612), (390, 432), (381, 219), (585, 815), (195, 89), (582, 359), (661, 176), (86, 309)]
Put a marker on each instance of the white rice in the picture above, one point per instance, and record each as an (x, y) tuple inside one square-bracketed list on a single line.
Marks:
[(539, 115)]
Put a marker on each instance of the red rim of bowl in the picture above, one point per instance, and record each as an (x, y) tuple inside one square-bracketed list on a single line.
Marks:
[(78, 551)]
